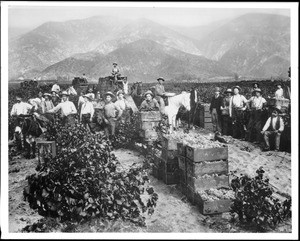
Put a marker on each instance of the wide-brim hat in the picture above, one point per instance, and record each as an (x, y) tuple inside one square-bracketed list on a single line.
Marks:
[(238, 87), (256, 90), (161, 78), (255, 83), (53, 91), (228, 91), (114, 63), (217, 89), (109, 93), (47, 94), (148, 92), (120, 92), (276, 109), (278, 84), (18, 97), (87, 96), (64, 93)]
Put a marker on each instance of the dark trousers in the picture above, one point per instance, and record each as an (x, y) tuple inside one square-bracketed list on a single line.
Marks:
[(110, 127), (226, 125), (254, 126), (86, 120), (238, 124), (216, 120), (277, 136)]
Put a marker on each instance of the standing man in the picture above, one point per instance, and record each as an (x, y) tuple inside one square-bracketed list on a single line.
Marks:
[(55, 87), (160, 92), (273, 127), (67, 109), (110, 115), (55, 98), (86, 112), (123, 105), (226, 119), (115, 72), (237, 106), (149, 104), (279, 92), (215, 110), (256, 104), (47, 104)]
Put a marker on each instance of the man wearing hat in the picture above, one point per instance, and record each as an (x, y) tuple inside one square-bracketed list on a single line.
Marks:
[(55, 98), (215, 110), (47, 103), (273, 127), (87, 111), (149, 104), (55, 87), (160, 92), (115, 72), (237, 106), (279, 92), (67, 109), (256, 104), (122, 103), (18, 110), (112, 113), (91, 94), (226, 119)]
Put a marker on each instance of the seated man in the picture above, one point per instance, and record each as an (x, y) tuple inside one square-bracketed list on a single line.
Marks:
[(149, 104), (115, 73), (273, 126)]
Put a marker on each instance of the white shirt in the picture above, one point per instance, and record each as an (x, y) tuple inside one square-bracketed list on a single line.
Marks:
[(55, 88), (121, 104), (80, 100), (267, 125), (125, 87), (279, 93), (92, 95), (257, 102), (236, 101), (21, 108), (87, 108), (36, 102), (66, 108)]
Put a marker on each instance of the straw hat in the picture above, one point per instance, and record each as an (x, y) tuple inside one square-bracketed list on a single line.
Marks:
[(64, 93), (110, 93), (148, 92), (228, 91), (256, 90), (237, 87), (161, 78)]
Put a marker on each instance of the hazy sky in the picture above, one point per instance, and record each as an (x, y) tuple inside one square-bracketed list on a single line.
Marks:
[(33, 16)]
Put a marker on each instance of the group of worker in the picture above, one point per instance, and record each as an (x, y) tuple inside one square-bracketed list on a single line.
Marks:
[(228, 116)]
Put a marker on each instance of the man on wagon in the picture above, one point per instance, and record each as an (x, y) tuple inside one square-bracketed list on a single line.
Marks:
[(67, 109), (149, 104), (160, 92), (237, 106), (115, 72)]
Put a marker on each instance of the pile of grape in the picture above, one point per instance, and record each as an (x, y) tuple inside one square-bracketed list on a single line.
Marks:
[(194, 139), (214, 194)]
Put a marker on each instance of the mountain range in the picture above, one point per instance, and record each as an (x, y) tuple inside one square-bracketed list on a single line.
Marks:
[(256, 45)]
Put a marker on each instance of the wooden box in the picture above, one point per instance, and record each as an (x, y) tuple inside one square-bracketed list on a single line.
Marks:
[(169, 154), (182, 163), (181, 149), (148, 125), (45, 149), (150, 116), (206, 167), (170, 178), (204, 183), (169, 144), (182, 176), (148, 134), (208, 207), (206, 154)]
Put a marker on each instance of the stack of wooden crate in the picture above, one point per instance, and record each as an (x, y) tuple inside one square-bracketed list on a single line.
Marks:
[(169, 159), (201, 170), (181, 151), (205, 117), (148, 121)]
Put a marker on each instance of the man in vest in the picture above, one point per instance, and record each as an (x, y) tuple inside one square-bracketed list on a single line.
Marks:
[(256, 104), (160, 92), (226, 119), (237, 106), (215, 110), (273, 126), (67, 109)]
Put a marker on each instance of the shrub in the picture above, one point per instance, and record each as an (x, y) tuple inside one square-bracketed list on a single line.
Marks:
[(255, 204)]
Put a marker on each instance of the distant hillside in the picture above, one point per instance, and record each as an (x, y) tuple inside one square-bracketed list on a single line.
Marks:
[(143, 60)]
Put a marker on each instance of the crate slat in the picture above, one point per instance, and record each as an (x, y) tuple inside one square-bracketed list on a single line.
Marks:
[(202, 183), (206, 167), (170, 178), (169, 154), (148, 125), (181, 149), (206, 154), (150, 116)]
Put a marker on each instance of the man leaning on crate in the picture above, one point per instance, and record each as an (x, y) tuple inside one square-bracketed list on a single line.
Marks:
[(149, 104)]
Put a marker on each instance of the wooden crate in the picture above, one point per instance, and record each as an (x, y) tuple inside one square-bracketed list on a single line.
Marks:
[(148, 134), (169, 144), (45, 149), (182, 176), (203, 183), (208, 207), (206, 154), (150, 116), (206, 167), (170, 178), (169, 154), (181, 149), (148, 125), (182, 163), (170, 166)]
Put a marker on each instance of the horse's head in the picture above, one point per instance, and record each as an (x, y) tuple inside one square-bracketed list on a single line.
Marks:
[(139, 88), (186, 102)]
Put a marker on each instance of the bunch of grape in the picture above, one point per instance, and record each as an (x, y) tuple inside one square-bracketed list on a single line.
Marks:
[(216, 194)]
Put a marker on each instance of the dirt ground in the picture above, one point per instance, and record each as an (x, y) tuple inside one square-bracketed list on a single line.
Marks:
[(173, 213)]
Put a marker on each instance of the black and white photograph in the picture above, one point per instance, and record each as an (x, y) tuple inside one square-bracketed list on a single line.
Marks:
[(146, 120)]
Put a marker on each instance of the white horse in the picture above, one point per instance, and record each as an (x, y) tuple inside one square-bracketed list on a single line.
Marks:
[(175, 102), (71, 91)]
